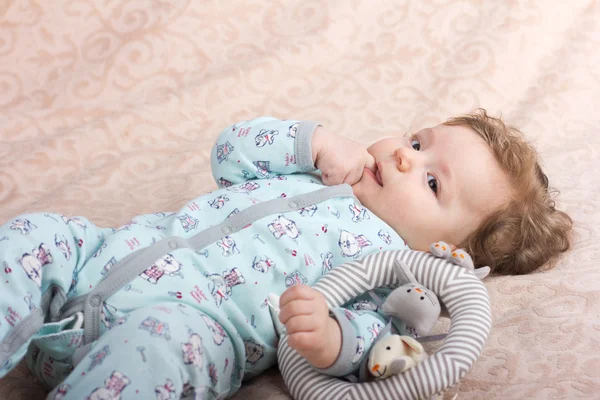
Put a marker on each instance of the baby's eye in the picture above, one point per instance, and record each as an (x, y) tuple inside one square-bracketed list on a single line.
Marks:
[(415, 144), (432, 182)]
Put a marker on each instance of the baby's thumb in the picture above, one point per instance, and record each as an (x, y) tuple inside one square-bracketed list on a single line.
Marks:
[(370, 163)]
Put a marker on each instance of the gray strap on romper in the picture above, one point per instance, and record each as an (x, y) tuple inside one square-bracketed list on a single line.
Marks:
[(135, 263)]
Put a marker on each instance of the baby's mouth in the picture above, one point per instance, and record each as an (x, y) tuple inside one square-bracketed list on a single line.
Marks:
[(378, 174), (378, 177), (374, 175)]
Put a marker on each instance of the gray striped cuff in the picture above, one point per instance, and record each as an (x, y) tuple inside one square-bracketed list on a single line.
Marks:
[(303, 146), (342, 366)]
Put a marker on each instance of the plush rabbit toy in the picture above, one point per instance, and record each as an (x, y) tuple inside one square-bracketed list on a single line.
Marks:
[(419, 308)]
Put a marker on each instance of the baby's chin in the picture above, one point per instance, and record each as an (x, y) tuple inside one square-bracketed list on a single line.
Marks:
[(367, 190)]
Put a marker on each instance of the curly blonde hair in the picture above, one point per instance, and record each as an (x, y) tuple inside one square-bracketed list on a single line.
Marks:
[(528, 231)]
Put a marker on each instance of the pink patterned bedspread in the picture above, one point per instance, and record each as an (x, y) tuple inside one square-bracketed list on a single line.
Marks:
[(108, 109)]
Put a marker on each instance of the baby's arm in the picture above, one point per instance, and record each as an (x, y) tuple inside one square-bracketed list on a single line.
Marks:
[(262, 148), (335, 344)]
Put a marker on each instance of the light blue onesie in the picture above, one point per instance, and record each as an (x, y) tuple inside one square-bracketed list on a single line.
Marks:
[(174, 304)]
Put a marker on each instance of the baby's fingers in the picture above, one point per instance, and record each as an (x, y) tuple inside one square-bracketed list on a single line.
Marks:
[(296, 308), (304, 342), (302, 323), (354, 175), (332, 177), (297, 292), (370, 162)]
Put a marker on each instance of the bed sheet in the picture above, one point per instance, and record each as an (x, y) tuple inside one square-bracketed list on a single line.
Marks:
[(109, 109)]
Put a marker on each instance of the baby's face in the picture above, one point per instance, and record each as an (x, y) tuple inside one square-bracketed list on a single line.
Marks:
[(437, 184)]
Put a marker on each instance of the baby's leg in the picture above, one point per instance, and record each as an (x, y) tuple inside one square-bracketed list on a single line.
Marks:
[(38, 256), (165, 351)]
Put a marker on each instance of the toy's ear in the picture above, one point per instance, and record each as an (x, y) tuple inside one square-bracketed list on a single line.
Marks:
[(482, 272), (403, 272), (413, 344), (398, 365)]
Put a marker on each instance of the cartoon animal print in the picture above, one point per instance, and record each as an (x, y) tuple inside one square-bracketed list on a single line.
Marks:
[(126, 227), (223, 151), (264, 137), (263, 168), (254, 351), (113, 387), (293, 130), (28, 299), (163, 215), (227, 244), (358, 212), (283, 226), (222, 182), (221, 285), (364, 305), (98, 357), (99, 252), (75, 278), (351, 244), (63, 246), (61, 391), (235, 211), (166, 265), (375, 330), (295, 278), (23, 225), (187, 391), (308, 211), (166, 391), (216, 329), (188, 222), (32, 263), (360, 349), (262, 264), (192, 351), (74, 220), (349, 314), (111, 263), (246, 187), (327, 261), (213, 374), (107, 315), (156, 328), (219, 201), (385, 236)]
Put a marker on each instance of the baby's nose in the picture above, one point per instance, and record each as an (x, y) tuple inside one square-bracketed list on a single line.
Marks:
[(402, 161)]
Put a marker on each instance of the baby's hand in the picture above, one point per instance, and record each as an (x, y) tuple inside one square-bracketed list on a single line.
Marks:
[(340, 160), (311, 331)]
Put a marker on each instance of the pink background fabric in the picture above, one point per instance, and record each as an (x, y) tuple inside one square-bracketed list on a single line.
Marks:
[(109, 109)]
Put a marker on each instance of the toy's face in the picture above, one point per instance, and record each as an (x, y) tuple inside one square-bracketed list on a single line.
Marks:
[(168, 263), (417, 295), (348, 244), (393, 355)]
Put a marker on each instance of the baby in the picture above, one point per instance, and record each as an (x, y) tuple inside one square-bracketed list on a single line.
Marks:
[(174, 304)]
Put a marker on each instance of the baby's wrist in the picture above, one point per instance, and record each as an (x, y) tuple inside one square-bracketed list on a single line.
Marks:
[(318, 144), (327, 357)]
